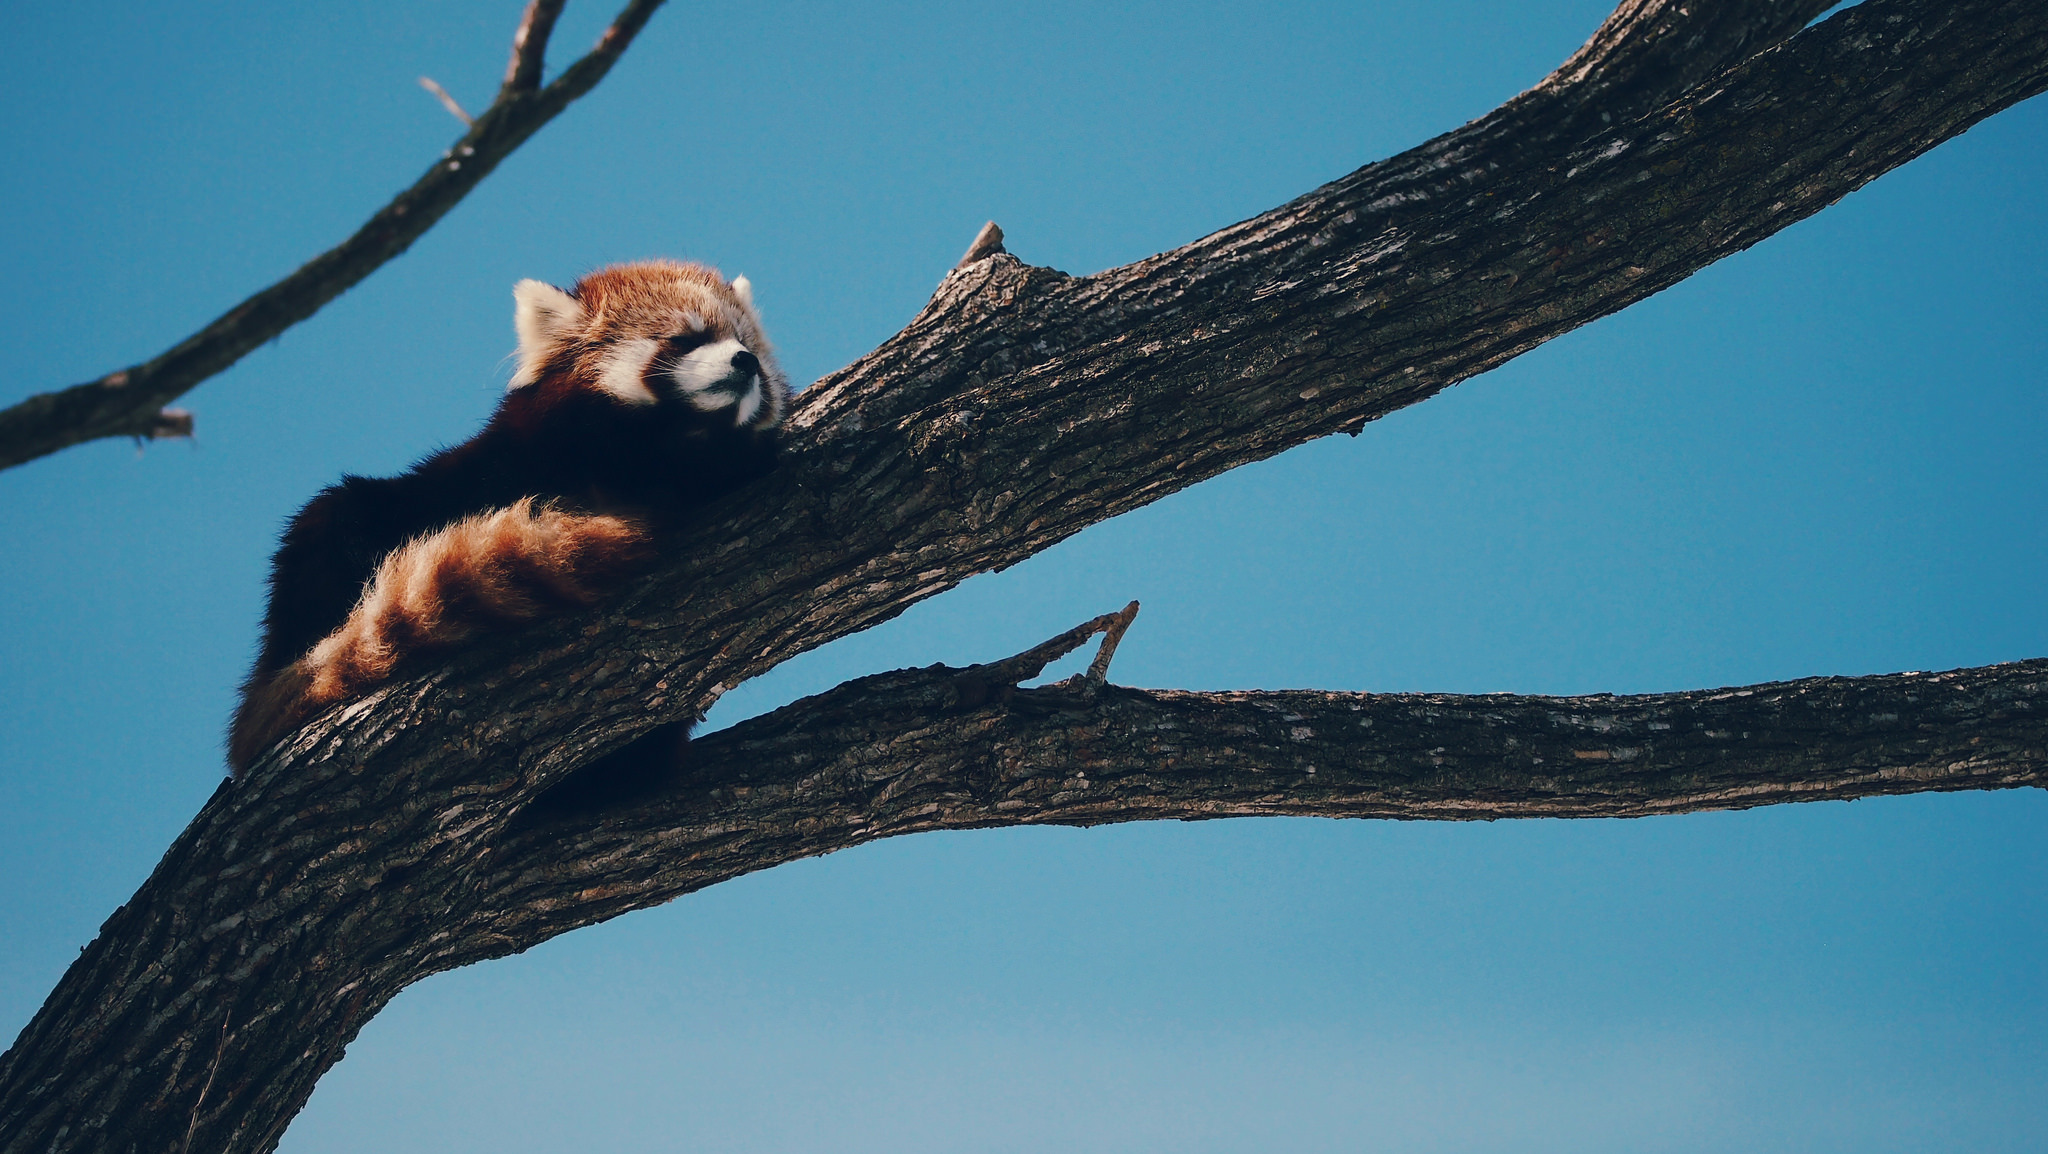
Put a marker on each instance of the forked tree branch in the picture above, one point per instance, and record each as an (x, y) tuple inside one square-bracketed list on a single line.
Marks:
[(411, 831), (130, 402)]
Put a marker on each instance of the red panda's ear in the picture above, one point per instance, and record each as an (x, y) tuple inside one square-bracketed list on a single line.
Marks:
[(545, 317), (743, 289)]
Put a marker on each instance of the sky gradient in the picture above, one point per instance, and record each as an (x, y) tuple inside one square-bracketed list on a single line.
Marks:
[(1821, 456)]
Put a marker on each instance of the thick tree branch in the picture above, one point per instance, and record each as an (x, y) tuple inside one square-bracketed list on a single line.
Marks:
[(902, 753), (398, 836), (126, 403)]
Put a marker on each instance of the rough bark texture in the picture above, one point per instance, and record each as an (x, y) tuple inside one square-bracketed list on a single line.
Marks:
[(900, 753), (129, 402), (280, 924), (465, 813)]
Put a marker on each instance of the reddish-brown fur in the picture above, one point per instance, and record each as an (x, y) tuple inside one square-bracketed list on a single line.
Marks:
[(548, 508), (504, 568)]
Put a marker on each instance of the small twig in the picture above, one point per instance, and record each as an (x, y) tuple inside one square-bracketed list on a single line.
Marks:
[(977, 683), (1032, 662), (987, 243), (447, 101), (530, 47), (1098, 670), (620, 33), (170, 424), (211, 1071)]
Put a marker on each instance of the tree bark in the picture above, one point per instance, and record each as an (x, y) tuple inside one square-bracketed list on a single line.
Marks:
[(278, 925), (463, 813), (902, 753)]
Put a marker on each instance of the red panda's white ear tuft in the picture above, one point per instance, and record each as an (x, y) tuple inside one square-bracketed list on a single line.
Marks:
[(545, 317), (743, 289)]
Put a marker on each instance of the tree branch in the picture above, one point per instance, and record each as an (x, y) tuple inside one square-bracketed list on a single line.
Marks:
[(126, 403), (904, 753), (530, 47), (397, 835)]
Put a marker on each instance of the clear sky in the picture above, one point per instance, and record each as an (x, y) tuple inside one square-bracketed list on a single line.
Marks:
[(1823, 456)]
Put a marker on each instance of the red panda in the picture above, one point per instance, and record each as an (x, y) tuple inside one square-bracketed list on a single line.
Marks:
[(642, 393)]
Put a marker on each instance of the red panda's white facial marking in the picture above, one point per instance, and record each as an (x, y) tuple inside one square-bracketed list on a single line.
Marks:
[(622, 371), (719, 375), (640, 333)]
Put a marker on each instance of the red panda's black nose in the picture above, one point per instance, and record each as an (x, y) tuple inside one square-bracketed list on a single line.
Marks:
[(746, 363)]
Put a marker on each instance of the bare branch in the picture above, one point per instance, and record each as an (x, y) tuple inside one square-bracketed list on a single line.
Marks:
[(999, 680), (448, 102), (894, 754), (125, 403), (1112, 636), (530, 47), (581, 76)]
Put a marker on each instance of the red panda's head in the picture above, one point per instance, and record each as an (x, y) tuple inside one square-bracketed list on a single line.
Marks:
[(650, 332)]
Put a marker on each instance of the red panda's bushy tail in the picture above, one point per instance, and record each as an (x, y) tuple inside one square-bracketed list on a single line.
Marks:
[(491, 570)]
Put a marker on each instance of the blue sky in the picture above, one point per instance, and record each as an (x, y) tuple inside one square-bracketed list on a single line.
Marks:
[(1820, 456)]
